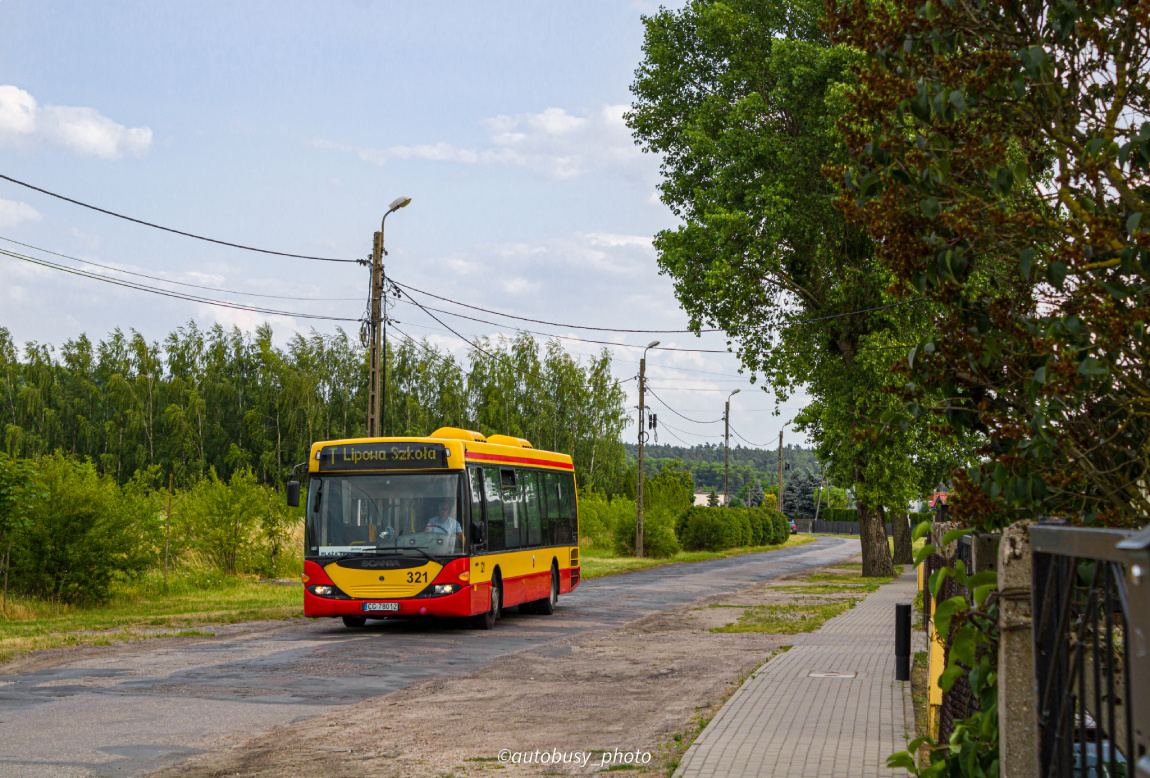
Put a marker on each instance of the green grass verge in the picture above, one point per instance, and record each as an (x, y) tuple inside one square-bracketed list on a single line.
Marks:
[(594, 563), (788, 618), (29, 625)]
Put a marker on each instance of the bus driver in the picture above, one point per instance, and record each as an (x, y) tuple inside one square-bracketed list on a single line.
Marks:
[(443, 521)]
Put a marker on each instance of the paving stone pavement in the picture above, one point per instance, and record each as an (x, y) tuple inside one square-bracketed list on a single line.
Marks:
[(783, 722)]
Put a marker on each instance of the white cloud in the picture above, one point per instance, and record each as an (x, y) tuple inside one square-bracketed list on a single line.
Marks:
[(13, 214), (25, 124), (553, 144)]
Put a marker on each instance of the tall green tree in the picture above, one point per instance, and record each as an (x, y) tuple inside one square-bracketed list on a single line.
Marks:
[(741, 98), (1001, 160)]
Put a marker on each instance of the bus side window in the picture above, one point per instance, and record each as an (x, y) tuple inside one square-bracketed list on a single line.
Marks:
[(513, 523), (530, 481), (550, 489), (475, 476), (494, 501), (567, 506)]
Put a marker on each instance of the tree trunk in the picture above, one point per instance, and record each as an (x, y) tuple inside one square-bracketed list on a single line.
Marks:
[(875, 551), (900, 528)]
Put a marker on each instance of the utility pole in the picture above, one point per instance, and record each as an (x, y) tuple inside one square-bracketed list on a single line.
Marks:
[(642, 438), (727, 455), (780, 469), (374, 383), (727, 450), (168, 531), (376, 387), (642, 434), (822, 489)]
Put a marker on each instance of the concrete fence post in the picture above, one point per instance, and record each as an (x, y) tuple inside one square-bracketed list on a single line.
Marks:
[(1017, 718)]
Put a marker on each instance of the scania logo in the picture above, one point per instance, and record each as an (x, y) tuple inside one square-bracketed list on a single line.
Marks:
[(381, 578), (378, 564)]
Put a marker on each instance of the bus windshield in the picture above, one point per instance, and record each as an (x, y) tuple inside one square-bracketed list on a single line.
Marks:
[(417, 513)]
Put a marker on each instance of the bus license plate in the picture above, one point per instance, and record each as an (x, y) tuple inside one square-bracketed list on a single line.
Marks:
[(381, 606)]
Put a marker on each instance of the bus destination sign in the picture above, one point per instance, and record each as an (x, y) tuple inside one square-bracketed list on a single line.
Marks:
[(383, 456)]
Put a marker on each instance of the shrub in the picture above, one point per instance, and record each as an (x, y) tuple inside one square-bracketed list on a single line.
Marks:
[(222, 520), (82, 535), (782, 527), (598, 517), (659, 538), (714, 529)]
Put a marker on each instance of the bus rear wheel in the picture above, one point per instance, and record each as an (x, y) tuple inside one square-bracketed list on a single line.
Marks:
[(546, 606), (354, 622), (487, 620)]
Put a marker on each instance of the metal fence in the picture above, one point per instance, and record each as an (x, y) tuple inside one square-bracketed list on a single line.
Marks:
[(959, 701), (840, 527), (1091, 610)]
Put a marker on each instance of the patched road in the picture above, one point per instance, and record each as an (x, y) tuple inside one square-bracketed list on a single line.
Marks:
[(136, 708)]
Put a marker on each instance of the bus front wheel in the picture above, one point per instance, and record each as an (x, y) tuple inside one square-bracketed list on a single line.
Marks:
[(354, 622), (487, 620)]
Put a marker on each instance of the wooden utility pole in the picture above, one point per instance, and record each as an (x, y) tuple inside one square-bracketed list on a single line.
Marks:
[(377, 381), (780, 470), (168, 531), (374, 383), (727, 454), (642, 435), (7, 562), (822, 488)]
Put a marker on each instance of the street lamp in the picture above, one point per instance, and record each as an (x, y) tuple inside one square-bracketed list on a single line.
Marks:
[(642, 433), (377, 388), (727, 450)]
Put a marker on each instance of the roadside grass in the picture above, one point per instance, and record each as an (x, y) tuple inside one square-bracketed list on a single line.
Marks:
[(853, 578), (788, 618), (594, 563), (29, 624), (918, 694)]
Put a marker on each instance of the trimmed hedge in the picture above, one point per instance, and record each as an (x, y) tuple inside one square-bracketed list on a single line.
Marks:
[(703, 528)]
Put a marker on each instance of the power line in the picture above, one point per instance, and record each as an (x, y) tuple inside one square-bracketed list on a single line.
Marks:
[(696, 434), (749, 443), (427, 308), (541, 321), (481, 350), (178, 283), (681, 416), (171, 229), (166, 292)]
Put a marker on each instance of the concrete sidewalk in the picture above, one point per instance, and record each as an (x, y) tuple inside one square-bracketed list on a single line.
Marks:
[(788, 720)]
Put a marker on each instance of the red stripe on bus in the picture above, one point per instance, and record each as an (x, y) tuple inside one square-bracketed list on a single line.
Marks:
[(516, 460)]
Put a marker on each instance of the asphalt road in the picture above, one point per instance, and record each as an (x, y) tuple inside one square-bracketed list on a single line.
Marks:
[(140, 707)]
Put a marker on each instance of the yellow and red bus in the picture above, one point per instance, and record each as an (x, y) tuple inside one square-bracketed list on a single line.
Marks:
[(453, 524)]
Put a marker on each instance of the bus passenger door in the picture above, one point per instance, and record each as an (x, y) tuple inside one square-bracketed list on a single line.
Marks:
[(477, 544)]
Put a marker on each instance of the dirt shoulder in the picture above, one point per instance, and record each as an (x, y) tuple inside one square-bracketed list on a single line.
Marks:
[(646, 687)]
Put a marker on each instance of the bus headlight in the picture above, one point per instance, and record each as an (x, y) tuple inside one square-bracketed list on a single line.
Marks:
[(323, 591), (438, 590)]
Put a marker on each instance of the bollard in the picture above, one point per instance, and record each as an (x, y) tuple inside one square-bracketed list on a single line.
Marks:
[(902, 641)]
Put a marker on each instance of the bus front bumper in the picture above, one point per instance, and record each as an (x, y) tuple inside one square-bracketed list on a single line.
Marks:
[(457, 604)]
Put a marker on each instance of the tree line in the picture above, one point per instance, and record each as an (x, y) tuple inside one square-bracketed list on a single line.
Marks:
[(223, 400)]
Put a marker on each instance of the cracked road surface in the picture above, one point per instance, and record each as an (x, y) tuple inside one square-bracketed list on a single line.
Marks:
[(131, 709)]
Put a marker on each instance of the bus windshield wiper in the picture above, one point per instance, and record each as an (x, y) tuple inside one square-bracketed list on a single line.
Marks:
[(429, 556)]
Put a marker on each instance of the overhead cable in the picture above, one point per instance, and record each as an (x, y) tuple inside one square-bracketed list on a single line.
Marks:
[(749, 443), (179, 283), (548, 323), (171, 229), (428, 308), (166, 292), (681, 416), (480, 349)]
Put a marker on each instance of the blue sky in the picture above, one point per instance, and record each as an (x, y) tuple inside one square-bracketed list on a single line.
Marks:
[(292, 125)]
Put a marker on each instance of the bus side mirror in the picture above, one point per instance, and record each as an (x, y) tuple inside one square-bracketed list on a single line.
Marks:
[(293, 494), (477, 533)]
